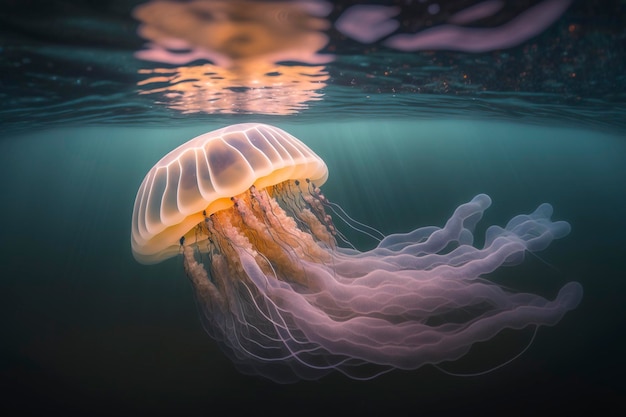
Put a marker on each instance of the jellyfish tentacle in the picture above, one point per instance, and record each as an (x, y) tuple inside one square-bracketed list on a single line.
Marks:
[(350, 222), (316, 194), (496, 367)]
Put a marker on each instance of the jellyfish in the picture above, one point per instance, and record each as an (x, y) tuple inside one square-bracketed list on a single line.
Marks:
[(283, 295)]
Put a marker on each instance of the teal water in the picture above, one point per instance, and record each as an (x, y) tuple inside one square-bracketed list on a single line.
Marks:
[(88, 329)]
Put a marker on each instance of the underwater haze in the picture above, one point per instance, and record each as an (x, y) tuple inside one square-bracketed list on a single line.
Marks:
[(415, 107)]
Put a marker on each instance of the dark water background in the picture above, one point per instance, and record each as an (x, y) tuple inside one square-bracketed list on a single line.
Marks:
[(86, 330)]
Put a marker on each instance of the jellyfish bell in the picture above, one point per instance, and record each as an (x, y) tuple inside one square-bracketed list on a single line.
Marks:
[(242, 206), (204, 175)]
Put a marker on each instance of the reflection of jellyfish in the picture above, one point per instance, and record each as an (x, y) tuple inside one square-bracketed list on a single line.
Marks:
[(456, 32), (263, 55), (286, 302), (276, 89), (233, 33)]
